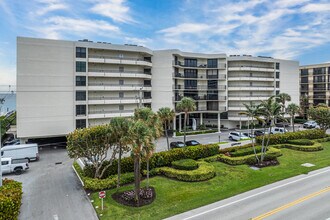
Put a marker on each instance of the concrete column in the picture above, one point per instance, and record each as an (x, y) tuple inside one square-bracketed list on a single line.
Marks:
[(174, 123), (201, 120), (219, 122), (180, 126)]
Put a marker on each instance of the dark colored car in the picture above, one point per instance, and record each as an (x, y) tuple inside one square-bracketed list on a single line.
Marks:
[(177, 144), (192, 143), (258, 133)]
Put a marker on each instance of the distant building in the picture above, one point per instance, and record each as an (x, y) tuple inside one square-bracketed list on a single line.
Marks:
[(64, 85)]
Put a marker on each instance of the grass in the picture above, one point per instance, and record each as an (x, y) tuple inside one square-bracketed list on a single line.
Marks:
[(174, 197)]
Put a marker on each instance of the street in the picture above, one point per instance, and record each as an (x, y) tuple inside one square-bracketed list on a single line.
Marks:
[(301, 197), (53, 191)]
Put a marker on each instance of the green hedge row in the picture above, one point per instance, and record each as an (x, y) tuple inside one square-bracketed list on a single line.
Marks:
[(245, 151), (320, 140), (160, 159), (304, 142), (284, 138), (315, 147), (185, 164), (10, 199), (204, 171), (272, 153), (178, 133), (102, 184)]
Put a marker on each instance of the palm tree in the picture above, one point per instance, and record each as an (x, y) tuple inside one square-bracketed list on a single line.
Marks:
[(148, 150), (252, 111), (119, 128), (166, 115), (186, 105), (292, 110), (304, 105), (283, 98)]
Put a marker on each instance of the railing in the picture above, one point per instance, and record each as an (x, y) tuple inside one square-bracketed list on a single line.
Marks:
[(248, 76), (109, 111), (243, 96), (117, 71), (116, 98), (118, 58), (181, 75), (323, 88), (219, 87), (116, 85), (209, 98), (252, 66), (200, 65), (319, 96)]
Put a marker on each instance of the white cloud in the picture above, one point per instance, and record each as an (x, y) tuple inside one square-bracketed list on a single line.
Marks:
[(185, 28), (117, 10), (316, 7), (48, 6), (139, 41)]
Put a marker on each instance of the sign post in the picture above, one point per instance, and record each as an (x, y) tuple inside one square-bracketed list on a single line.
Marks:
[(102, 196)]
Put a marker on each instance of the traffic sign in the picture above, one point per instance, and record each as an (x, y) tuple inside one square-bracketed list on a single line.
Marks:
[(102, 194)]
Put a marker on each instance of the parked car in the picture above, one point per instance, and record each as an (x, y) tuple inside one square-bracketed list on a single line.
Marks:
[(237, 136), (9, 165), (259, 132), (192, 143), (22, 151), (177, 144), (249, 135), (12, 142), (310, 124), (277, 130)]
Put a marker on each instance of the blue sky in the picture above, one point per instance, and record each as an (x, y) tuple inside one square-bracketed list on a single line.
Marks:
[(288, 29)]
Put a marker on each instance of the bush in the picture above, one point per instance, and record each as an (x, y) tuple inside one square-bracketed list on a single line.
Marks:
[(234, 148), (245, 151), (304, 142), (315, 147), (204, 171), (10, 199), (320, 140), (299, 120), (284, 138), (160, 159), (185, 164), (101, 184), (178, 133)]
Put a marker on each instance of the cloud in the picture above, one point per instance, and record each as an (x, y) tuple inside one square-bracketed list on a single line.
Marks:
[(139, 41), (320, 7), (49, 6), (186, 28), (117, 10)]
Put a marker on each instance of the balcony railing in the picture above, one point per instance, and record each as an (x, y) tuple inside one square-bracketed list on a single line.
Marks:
[(200, 65), (204, 98), (119, 58), (115, 98), (204, 76), (116, 85), (248, 76), (199, 87), (109, 111), (118, 71), (252, 66)]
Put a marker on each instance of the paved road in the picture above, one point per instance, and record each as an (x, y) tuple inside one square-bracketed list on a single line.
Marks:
[(53, 191), (301, 197)]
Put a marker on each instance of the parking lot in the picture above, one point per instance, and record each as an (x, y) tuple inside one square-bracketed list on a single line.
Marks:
[(51, 190)]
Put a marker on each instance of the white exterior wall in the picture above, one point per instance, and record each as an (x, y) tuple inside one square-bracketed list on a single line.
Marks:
[(289, 79), (45, 84)]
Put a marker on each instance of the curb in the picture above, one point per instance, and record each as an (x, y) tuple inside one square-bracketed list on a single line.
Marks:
[(82, 183)]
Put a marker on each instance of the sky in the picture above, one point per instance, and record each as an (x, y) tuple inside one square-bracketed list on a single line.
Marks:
[(284, 29)]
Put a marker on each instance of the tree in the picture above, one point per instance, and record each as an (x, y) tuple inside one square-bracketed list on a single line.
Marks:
[(304, 105), (186, 105), (252, 111), (119, 128), (292, 110), (321, 114), (283, 98), (93, 144), (166, 115)]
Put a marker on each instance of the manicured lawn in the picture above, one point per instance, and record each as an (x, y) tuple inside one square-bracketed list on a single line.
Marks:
[(174, 197)]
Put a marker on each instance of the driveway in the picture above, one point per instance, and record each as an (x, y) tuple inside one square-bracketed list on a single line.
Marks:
[(53, 191)]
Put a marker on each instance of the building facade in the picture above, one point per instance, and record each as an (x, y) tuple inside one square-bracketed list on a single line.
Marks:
[(64, 85), (315, 83)]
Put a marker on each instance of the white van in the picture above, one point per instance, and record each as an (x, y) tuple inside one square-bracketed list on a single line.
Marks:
[(277, 130), (22, 151)]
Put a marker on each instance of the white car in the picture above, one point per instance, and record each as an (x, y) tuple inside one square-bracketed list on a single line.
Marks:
[(277, 130), (237, 136), (311, 124), (8, 165)]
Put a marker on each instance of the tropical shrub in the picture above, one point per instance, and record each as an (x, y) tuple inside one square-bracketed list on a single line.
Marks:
[(315, 147), (304, 142), (178, 133), (185, 164), (10, 199), (245, 151)]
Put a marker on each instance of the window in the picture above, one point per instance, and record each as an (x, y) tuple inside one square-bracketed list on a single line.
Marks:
[(121, 95), (80, 80), (4, 162), (80, 66), (148, 71), (121, 56), (121, 69), (212, 74), (277, 92), (318, 79), (190, 73), (212, 84), (81, 52), (212, 63), (304, 72), (277, 75), (304, 79), (80, 123), (319, 71), (80, 109), (190, 62), (190, 84), (277, 84), (121, 82), (80, 95), (147, 83), (147, 95), (277, 66), (121, 107), (213, 106)]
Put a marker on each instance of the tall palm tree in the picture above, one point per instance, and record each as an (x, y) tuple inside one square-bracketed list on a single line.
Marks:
[(292, 110), (252, 111), (186, 105), (166, 115), (119, 128), (304, 105), (283, 98)]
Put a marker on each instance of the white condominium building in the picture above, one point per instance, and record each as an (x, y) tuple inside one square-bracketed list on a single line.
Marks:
[(64, 85)]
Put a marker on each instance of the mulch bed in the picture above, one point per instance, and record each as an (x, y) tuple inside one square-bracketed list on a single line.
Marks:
[(267, 163), (146, 195)]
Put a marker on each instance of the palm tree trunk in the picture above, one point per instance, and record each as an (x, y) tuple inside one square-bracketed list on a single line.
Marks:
[(254, 148), (119, 166), (166, 134), (263, 145), (185, 127), (137, 177), (292, 123), (148, 173)]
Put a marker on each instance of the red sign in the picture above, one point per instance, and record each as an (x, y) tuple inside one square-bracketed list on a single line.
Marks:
[(102, 194)]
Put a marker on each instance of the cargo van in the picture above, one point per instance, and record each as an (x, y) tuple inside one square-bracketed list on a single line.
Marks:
[(22, 151)]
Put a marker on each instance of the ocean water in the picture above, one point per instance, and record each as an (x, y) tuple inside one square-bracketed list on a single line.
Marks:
[(9, 104)]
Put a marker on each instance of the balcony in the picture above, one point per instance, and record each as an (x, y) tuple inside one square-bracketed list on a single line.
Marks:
[(250, 88), (117, 73), (198, 87), (119, 60), (253, 78), (200, 77), (198, 66), (251, 68), (248, 98), (104, 86), (203, 98), (319, 97), (204, 109), (102, 100), (110, 113)]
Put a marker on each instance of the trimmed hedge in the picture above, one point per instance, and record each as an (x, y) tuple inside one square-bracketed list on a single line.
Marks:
[(284, 138), (245, 151), (304, 142), (320, 140), (160, 159), (185, 164), (101, 184), (315, 147), (204, 171), (10, 199), (272, 153), (178, 133), (235, 148)]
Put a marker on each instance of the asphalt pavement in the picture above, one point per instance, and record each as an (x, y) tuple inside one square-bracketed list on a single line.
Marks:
[(51, 190), (304, 197)]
